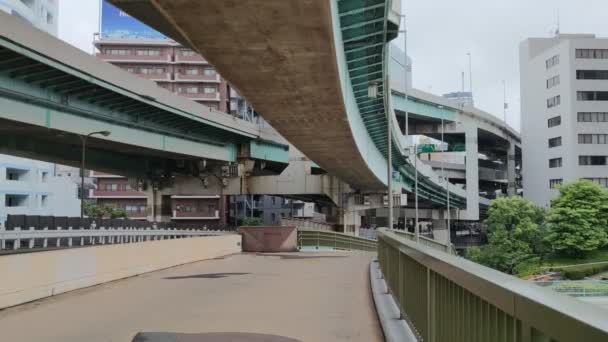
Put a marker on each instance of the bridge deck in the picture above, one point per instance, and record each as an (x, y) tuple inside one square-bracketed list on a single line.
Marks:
[(296, 296)]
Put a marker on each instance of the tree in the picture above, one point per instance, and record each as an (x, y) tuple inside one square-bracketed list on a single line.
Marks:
[(514, 226), (103, 211), (578, 219)]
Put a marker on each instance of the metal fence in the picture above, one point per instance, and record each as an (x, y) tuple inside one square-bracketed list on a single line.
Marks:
[(306, 224), (368, 233), (42, 232), (426, 241), (448, 298), (327, 239)]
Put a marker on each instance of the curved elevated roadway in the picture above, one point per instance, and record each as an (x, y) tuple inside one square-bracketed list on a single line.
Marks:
[(306, 66)]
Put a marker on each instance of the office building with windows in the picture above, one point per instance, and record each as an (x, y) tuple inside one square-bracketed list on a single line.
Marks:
[(564, 106)]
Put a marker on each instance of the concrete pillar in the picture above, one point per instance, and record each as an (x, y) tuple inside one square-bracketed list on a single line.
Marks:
[(472, 173), (440, 230), (511, 187)]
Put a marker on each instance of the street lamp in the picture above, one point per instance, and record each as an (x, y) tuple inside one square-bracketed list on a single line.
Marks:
[(83, 139), (416, 228)]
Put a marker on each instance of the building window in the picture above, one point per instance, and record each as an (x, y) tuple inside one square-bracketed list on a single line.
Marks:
[(210, 90), (592, 53), (555, 162), (603, 181), (188, 53), (593, 139), (592, 74), (592, 95), (591, 160), (551, 62), (16, 174), (15, 200), (554, 121), (44, 177), (209, 72), (553, 183), (152, 71), (554, 101), (592, 117), (131, 70), (118, 52), (554, 142), (148, 52), (111, 187), (44, 201), (192, 71), (552, 82)]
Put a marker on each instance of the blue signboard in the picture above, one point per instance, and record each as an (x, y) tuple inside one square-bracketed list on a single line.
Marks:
[(116, 24)]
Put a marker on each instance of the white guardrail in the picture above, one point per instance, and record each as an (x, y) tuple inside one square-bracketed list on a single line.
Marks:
[(18, 238)]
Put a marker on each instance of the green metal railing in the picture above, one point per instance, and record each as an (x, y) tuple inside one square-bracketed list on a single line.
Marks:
[(334, 240), (426, 241), (448, 298)]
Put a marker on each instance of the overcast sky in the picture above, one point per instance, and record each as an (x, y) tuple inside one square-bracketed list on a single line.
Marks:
[(440, 33)]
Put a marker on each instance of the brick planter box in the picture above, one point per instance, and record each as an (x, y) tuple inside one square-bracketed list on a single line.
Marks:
[(269, 238)]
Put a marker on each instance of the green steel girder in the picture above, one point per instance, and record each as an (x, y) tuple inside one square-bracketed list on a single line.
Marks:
[(52, 81), (366, 66), (358, 10), (362, 48), (27, 70), (34, 75)]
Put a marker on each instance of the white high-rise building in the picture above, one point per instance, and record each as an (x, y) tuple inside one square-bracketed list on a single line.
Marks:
[(564, 106), (42, 14), (31, 187)]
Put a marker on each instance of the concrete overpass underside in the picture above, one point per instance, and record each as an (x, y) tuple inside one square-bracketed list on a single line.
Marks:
[(282, 57)]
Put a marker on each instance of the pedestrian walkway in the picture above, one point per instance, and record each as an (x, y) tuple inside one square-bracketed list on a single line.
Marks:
[(304, 296)]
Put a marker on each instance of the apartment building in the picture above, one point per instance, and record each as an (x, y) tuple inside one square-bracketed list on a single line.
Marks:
[(42, 14), (171, 66), (29, 187), (564, 106)]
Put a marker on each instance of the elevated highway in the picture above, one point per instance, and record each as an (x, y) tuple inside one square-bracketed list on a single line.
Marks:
[(307, 66), (51, 92)]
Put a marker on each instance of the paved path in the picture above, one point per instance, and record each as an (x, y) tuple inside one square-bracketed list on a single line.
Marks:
[(297, 296)]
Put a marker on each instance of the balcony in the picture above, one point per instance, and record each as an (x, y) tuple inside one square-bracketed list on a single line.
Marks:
[(197, 78), (201, 96), (195, 215), (166, 77), (97, 174), (134, 58), (97, 193), (195, 59)]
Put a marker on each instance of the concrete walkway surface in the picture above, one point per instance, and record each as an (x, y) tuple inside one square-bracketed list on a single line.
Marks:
[(245, 297)]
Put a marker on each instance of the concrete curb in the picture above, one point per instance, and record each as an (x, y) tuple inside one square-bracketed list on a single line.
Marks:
[(395, 329)]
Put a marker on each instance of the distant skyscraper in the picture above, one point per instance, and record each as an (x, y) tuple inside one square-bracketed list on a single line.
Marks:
[(462, 98)]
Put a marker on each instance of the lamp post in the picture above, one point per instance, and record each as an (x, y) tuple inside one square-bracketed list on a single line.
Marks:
[(409, 152), (83, 139)]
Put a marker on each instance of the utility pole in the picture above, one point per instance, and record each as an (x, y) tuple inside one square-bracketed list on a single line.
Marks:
[(470, 76), (416, 228), (504, 99)]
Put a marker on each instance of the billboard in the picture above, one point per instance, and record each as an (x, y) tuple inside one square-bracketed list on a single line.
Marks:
[(117, 24)]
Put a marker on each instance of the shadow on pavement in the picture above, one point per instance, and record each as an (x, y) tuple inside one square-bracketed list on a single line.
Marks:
[(209, 337), (207, 276)]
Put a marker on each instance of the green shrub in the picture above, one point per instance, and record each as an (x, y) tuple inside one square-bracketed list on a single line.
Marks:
[(581, 272), (250, 221)]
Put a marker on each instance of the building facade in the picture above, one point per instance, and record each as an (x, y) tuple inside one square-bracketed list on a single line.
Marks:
[(171, 66), (42, 14), (564, 106), (30, 187)]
